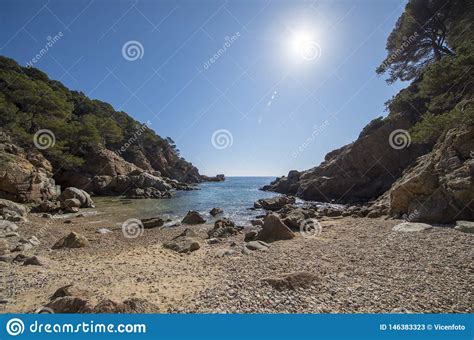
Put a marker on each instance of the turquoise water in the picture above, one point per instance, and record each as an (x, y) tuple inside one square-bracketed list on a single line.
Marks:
[(235, 195)]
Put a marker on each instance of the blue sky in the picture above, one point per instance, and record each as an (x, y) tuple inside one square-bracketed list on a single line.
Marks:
[(288, 81)]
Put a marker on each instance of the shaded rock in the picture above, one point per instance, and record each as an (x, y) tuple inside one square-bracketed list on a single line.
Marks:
[(296, 217), (349, 174), (213, 241), (250, 236), (257, 245), (69, 304), (182, 244), (11, 208), (291, 281), (411, 227), (274, 229), (72, 240), (256, 222), (465, 227), (193, 217), (439, 188), (275, 203), (38, 261), (216, 211), (46, 207), (70, 290), (153, 222), (82, 196), (71, 205), (223, 228)]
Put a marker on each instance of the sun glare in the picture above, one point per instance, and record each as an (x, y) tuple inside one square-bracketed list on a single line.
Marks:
[(303, 46)]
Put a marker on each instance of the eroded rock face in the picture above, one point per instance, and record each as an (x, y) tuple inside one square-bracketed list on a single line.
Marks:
[(24, 177), (358, 172), (440, 187)]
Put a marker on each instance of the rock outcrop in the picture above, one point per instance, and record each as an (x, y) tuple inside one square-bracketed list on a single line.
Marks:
[(358, 172), (440, 186), (24, 177)]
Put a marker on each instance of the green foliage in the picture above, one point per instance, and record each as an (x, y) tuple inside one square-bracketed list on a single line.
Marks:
[(30, 101), (431, 126), (421, 37)]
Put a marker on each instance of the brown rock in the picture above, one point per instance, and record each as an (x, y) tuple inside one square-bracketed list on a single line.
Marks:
[(291, 281), (193, 217), (72, 240), (274, 229)]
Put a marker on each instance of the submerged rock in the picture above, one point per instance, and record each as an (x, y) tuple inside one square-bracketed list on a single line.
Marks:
[(216, 211)]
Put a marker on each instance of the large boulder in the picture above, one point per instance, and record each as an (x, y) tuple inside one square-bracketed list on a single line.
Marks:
[(11, 208), (274, 230), (193, 217), (83, 197), (276, 203), (439, 188), (24, 177), (72, 240), (360, 171)]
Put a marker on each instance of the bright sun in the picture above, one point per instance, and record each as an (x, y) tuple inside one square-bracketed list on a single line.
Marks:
[(303, 46)]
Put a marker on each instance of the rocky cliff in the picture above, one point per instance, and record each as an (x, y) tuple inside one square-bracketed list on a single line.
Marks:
[(52, 135), (358, 172)]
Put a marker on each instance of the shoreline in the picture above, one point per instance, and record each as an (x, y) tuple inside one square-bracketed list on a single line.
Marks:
[(357, 265)]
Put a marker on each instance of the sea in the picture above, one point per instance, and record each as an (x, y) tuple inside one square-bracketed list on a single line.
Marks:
[(235, 196)]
